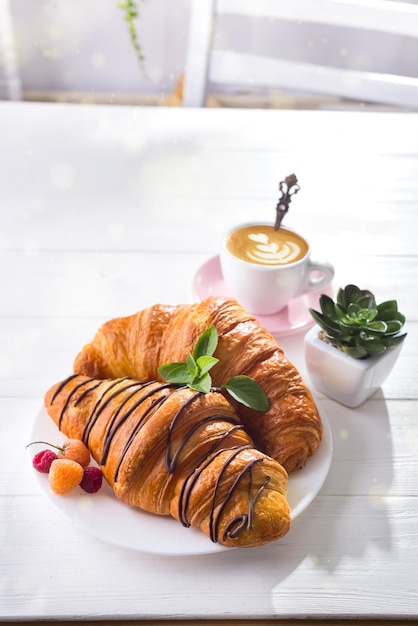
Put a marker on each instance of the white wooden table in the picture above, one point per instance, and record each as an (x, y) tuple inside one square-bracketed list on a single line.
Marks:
[(105, 211)]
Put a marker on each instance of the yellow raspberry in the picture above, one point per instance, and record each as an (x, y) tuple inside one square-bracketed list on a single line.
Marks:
[(75, 450), (64, 475)]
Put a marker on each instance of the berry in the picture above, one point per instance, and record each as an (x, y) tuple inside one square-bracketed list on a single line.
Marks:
[(92, 479), (42, 461), (73, 449), (65, 475)]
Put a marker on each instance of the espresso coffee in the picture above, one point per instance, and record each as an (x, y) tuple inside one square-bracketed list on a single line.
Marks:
[(262, 245)]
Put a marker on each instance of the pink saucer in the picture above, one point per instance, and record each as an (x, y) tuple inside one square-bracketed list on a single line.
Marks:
[(208, 281)]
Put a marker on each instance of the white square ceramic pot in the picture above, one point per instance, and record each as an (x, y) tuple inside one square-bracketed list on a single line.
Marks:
[(341, 377)]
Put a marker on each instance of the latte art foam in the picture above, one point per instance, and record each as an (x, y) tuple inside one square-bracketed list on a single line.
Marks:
[(268, 252), (263, 245)]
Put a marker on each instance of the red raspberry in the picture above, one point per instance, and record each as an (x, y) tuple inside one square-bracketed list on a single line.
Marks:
[(72, 449), (92, 479), (42, 461)]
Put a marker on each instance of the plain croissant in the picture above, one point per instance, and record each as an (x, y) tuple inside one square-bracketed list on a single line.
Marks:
[(138, 345), (174, 451)]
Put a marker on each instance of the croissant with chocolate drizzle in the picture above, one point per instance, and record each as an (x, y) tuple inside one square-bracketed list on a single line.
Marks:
[(137, 345), (174, 451)]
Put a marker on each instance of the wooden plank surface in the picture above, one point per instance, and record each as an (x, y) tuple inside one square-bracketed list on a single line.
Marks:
[(105, 211)]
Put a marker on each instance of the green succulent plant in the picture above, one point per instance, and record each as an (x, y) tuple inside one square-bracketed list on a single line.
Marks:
[(357, 325)]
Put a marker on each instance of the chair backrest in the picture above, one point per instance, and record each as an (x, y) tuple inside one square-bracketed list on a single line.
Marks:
[(206, 65), (10, 83)]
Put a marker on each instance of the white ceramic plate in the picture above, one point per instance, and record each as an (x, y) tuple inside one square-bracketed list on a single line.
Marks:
[(102, 515)]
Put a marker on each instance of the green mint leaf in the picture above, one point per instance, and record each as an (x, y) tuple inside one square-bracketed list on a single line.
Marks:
[(247, 391), (192, 367), (206, 344), (203, 384), (205, 363), (176, 373)]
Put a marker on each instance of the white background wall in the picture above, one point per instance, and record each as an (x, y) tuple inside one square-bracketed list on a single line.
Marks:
[(84, 46)]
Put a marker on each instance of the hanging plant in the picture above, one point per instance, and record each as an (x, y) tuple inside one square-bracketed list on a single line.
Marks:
[(131, 11)]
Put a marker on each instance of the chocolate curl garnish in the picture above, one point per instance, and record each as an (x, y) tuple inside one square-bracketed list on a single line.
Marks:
[(287, 188)]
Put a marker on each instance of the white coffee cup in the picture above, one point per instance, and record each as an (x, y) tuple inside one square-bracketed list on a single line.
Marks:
[(265, 269)]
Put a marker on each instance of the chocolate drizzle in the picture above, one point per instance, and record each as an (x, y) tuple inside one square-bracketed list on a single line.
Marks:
[(114, 424), (245, 520), (103, 402), (171, 460), (70, 395), (155, 404), (194, 475), (158, 394), (62, 385), (215, 518)]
